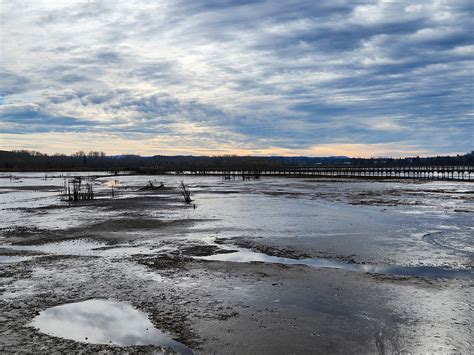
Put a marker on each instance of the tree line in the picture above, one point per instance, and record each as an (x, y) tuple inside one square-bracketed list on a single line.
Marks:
[(23, 160)]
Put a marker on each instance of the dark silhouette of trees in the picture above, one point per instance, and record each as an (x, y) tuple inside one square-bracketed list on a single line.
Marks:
[(22, 160)]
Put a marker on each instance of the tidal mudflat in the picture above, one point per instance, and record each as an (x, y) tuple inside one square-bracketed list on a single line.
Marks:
[(274, 265)]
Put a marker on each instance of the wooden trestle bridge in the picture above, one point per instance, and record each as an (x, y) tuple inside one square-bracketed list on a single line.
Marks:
[(465, 173)]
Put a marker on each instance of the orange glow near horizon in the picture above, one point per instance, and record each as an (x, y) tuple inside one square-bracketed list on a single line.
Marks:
[(68, 143)]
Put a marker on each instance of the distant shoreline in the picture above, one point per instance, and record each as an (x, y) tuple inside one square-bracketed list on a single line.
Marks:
[(5, 174)]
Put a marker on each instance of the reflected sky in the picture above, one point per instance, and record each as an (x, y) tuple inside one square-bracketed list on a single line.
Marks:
[(85, 247), (103, 322), (405, 223), (243, 256), (5, 259)]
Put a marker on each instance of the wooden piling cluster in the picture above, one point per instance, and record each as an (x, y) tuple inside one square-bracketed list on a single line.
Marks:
[(75, 189), (244, 175)]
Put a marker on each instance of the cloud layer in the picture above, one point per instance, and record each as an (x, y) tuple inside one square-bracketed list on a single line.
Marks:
[(224, 76)]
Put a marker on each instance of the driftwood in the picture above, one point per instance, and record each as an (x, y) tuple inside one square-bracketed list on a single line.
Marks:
[(150, 186), (185, 192)]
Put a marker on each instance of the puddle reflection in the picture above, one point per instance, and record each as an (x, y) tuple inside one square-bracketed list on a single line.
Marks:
[(103, 322)]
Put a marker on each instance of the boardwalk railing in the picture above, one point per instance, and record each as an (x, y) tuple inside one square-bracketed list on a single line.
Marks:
[(409, 172)]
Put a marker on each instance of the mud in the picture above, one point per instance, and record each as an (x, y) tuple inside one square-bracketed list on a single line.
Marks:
[(143, 248), (204, 250)]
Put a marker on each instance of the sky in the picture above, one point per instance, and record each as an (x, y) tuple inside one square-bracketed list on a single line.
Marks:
[(212, 77)]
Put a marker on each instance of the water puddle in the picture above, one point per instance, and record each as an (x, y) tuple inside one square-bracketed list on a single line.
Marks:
[(461, 241), (113, 183), (83, 247), (245, 256), (103, 322), (6, 259)]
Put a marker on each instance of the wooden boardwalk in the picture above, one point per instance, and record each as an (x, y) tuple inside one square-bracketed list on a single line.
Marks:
[(465, 173)]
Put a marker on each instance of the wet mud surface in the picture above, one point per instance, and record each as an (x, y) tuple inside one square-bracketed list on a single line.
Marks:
[(148, 249)]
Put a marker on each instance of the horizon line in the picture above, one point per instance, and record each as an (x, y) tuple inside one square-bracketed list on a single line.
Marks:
[(242, 155)]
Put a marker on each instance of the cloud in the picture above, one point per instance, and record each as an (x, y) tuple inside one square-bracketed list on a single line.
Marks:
[(30, 118), (244, 75), (12, 83)]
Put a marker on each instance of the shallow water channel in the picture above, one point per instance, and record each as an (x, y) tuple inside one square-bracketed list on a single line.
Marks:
[(244, 256)]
